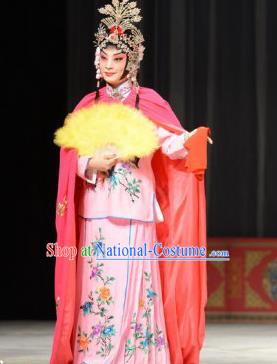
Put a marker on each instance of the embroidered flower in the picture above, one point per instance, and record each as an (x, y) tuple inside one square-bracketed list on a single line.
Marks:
[(151, 293), (109, 331), (96, 330), (87, 308), (159, 342), (104, 293), (83, 340), (147, 341), (114, 181), (138, 328), (126, 165), (94, 272), (61, 207), (141, 302)]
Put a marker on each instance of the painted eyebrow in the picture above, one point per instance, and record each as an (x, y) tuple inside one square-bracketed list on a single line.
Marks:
[(116, 54)]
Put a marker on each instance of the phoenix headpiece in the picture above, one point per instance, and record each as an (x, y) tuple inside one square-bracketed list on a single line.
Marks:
[(118, 28)]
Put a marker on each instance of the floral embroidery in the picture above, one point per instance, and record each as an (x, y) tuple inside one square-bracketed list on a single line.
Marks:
[(143, 338), (123, 176), (61, 207), (105, 293), (141, 303), (97, 304), (87, 307), (83, 340)]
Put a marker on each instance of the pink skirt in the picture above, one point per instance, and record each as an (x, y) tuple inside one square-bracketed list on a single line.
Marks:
[(119, 309)]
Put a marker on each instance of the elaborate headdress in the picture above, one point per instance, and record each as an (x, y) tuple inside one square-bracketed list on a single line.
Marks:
[(118, 28)]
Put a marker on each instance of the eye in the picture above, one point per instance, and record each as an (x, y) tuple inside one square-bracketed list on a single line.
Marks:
[(118, 59), (102, 57)]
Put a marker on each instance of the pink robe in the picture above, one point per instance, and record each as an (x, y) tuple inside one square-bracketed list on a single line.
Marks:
[(181, 196)]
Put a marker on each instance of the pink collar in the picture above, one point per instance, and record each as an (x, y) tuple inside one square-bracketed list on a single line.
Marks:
[(120, 92)]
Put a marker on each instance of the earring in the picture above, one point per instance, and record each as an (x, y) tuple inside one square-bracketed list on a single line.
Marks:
[(97, 66), (98, 77)]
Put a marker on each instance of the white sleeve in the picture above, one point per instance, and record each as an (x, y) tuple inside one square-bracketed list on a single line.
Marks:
[(172, 144), (82, 169)]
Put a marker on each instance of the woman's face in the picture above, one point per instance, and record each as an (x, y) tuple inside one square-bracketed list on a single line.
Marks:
[(112, 65)]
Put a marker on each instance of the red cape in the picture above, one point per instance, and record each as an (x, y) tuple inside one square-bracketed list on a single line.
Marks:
[(181, 194)]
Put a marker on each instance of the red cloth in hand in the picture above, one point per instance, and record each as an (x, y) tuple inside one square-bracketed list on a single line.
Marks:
[(196, 145)]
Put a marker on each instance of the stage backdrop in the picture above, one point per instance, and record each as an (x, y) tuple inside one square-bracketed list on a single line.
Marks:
[(245, 287)]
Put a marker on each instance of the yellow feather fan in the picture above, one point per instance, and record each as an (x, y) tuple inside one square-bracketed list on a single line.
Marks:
[(108, 127)]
